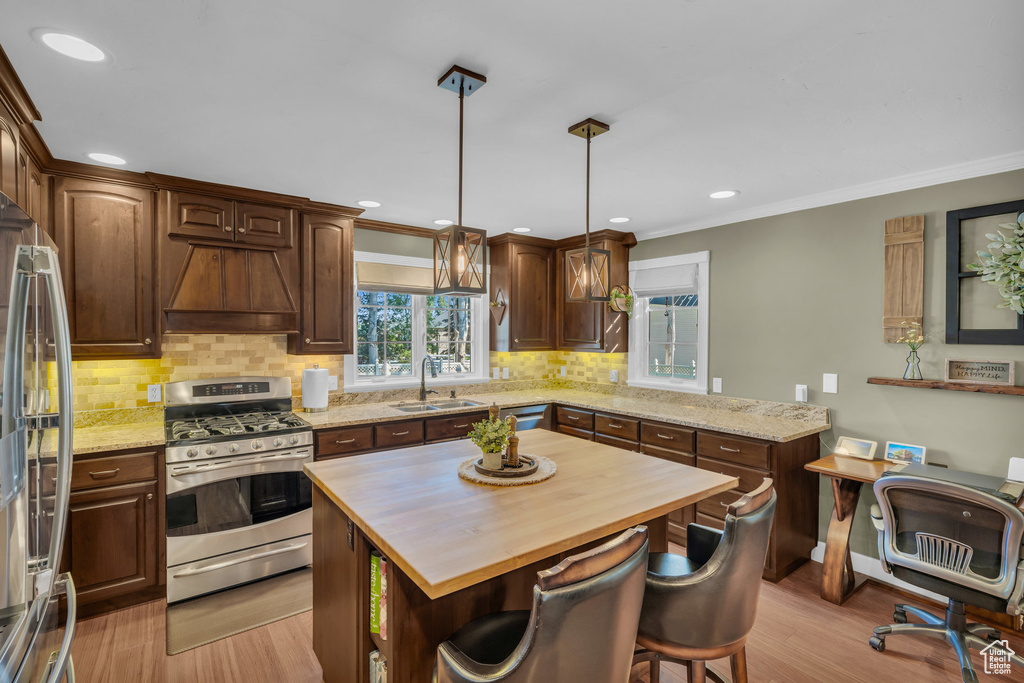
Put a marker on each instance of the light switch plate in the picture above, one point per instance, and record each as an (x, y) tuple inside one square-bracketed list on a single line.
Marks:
[(614, 376), (801, 393), (332, 382), (504, 373), (830, 383), (563, 371), (155, 393), (716, 385), (495, 373)]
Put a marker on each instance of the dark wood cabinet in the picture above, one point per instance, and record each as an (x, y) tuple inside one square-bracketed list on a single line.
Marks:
[(447, 428), (583, 326), (219, 218), (8, 158), (114, 543), (523, 271), (326, 264), (342, 441), (398, 434), (104, 232)]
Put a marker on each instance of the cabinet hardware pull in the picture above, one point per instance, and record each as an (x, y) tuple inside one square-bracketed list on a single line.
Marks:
[(517, 341), (227, 228), (147, 341), (307, 340), (572, 417), (344, 441), (192, 571), (241, 230), (149, 496), (614, 426), (460, 426), (723, 503), (731, 450), (665, 436), (400, 433), (105, 474)]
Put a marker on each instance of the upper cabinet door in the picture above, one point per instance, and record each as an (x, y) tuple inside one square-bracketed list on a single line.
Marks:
[(8, 160), (105, 235), (327, 287), (531, 305), (197, 215), (272, 226)]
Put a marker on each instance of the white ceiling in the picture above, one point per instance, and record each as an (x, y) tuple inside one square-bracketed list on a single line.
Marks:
[(793, 102)]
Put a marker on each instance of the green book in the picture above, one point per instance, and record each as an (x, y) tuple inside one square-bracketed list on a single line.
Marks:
[(374, 592)]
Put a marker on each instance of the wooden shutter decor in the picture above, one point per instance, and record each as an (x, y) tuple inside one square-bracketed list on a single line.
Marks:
[(903, 293)]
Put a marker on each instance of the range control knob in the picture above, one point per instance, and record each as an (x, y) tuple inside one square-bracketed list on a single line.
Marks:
[(278, 442), (257, 445), (192, 452), (210, 450), (293, 439), (233, 448)]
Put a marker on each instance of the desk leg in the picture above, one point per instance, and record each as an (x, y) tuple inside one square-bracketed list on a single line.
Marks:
[(838, 582)]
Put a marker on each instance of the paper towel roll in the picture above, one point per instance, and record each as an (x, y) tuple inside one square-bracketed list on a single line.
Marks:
[(314, 389)]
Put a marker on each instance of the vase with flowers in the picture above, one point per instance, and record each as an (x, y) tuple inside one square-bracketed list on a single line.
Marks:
[(491, 435), (913, 337)]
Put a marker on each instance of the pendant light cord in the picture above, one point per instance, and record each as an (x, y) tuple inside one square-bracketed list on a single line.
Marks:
[(462, 93), (588, 191)]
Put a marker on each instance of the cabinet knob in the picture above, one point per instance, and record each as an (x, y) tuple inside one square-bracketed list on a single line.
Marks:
[(516, 340), (147, 341), (227, 228), (149, 496), (241, 230), (307, 340)]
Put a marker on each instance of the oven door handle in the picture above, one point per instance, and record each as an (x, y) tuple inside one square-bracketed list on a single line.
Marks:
[(248, 558), (244, 463)]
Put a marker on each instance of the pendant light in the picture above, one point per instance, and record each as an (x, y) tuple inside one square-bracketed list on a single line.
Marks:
[(586, 269), (460, 253)]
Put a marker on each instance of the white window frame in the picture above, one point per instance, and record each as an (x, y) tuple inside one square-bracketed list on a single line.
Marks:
[(478, 345), (639, 349)]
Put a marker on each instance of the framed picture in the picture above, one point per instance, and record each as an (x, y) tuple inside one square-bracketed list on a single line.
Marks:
[(904, 452), (979, 371), (856, 448)]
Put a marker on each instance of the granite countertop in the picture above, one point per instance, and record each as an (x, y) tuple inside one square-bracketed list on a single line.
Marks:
[(757, 419), (117, 437)]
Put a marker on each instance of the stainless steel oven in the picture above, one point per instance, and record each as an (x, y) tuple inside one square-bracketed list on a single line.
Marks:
[(239, 507)]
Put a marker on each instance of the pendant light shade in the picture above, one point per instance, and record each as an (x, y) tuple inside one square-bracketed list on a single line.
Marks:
[(460, 253), (587, 270)]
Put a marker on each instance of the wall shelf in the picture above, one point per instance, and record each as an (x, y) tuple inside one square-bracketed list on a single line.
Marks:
[(948, 386)]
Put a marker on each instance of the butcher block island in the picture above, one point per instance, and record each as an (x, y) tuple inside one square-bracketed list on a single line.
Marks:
[(457, 550)]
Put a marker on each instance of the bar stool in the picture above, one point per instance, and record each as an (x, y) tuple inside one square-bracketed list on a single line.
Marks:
[(702, 606)]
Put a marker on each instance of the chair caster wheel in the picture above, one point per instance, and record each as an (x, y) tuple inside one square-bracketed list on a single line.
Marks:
[(899, 616), (877, 643)]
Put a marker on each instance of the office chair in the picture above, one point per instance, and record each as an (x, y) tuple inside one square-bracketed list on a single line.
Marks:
[(957, 541), (582, 626), (703, 606)]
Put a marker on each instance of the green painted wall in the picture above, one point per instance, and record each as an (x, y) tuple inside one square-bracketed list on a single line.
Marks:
[(390, 243), (798, 295)]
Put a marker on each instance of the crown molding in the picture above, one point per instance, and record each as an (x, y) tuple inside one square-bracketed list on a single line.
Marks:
[(627, 239), (396, 228), (520, 238), (912, 181), (13, 93)]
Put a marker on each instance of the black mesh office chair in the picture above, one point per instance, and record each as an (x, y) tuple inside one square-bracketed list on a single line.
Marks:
[(582, 626), (953, 540)]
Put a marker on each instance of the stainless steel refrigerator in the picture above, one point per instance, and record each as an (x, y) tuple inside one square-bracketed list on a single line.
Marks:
[(37, 604)]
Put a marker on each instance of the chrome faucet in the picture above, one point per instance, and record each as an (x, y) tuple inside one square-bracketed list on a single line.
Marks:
[(423, 377)]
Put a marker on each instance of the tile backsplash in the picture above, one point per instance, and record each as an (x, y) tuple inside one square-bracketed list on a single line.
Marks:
[(579, 366)]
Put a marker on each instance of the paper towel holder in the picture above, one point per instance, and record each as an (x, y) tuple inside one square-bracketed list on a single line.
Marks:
[(309, 409)]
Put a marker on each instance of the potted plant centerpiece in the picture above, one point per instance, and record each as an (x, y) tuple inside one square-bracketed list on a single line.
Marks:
[(491, 435)]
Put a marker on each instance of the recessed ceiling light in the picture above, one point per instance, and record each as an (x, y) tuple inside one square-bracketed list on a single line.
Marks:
[(520, 230), (107, 159), (369, 203), (723, 194), (71, 46), (443, 221), (620, 219)]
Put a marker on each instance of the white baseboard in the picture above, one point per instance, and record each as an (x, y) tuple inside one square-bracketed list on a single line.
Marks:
[(871, 567)]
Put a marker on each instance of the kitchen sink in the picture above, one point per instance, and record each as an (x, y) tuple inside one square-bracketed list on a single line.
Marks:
[(415, 407), (458, 403)]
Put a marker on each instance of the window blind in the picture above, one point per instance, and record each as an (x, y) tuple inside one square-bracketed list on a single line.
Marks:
[(666, 281), (385, 277)]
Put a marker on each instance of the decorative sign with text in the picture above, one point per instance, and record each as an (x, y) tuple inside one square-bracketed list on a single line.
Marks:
[(979, 371)]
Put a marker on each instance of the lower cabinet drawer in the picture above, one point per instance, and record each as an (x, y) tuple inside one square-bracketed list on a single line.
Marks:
[(749, 478), (344, 440), (734, 449), (580, 419), (455, 427), (406, 433), (666, 436), (89, 473), (713, 522), (718, 504), (666, 454), (625, 444), (572, 431), (621, 427)]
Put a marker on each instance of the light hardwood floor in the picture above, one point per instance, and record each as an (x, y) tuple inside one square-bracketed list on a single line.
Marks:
[(797, 638)]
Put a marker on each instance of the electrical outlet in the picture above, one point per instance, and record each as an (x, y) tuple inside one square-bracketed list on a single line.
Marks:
[(830, 383), (801, 393), (495, 373), (716, 385), (613, 376), (563, 371), (332, 382), (155, 393), (504, 373)]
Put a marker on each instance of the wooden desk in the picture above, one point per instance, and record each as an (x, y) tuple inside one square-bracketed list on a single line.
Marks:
[(460, 550), (838, 581)]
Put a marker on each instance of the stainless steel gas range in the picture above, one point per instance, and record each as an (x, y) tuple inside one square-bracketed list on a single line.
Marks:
[(239, 507)]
